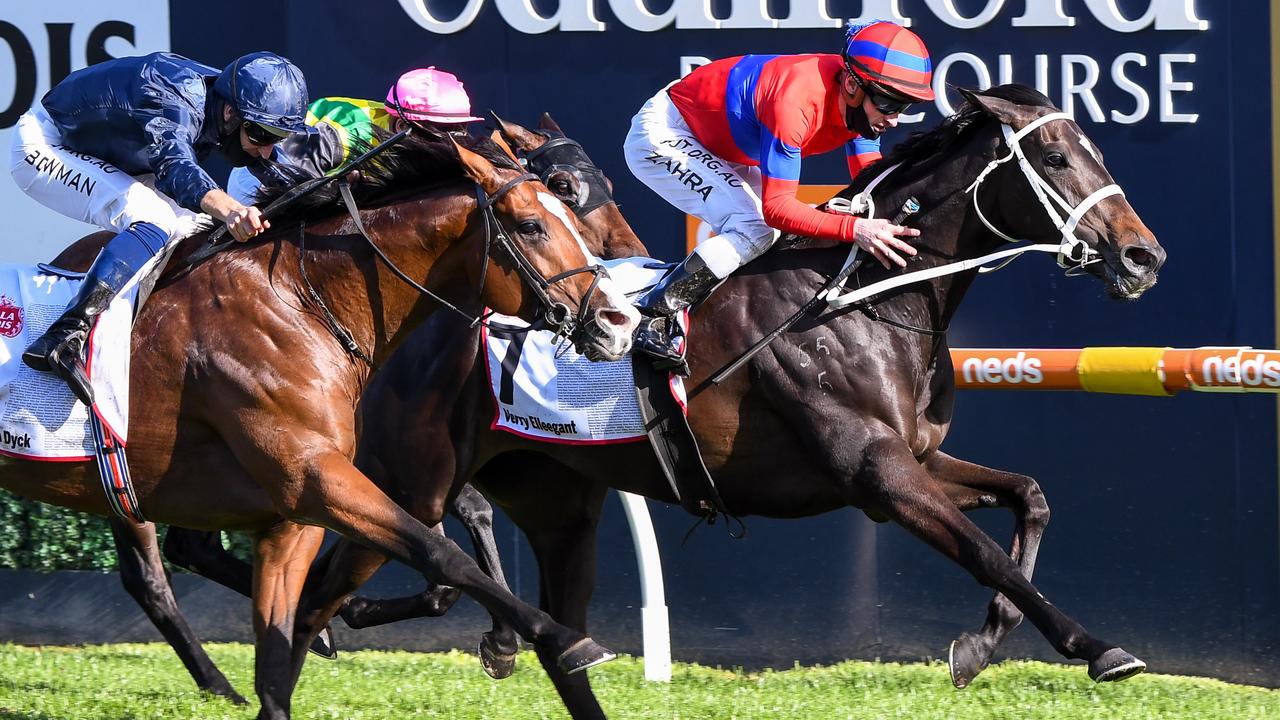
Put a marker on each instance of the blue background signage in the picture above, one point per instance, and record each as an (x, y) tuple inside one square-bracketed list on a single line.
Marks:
[(1164, 535)]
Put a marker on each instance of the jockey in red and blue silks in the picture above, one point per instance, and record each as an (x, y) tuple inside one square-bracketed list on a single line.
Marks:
[(118, 145), (725, 144)]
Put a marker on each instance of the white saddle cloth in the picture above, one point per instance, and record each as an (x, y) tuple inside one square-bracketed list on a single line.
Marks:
[(39, 417), (546, 391)]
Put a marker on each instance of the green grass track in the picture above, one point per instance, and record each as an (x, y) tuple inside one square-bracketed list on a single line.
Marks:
[(124, 682)]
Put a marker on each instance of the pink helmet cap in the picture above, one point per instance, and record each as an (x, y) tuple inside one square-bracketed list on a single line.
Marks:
[(432, 95)]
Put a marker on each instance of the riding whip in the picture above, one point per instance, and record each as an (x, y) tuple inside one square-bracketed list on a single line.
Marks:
[(277, 206)]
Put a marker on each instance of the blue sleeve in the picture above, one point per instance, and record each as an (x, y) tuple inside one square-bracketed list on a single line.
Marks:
[(862, 146), (171, 124), (778, 160)]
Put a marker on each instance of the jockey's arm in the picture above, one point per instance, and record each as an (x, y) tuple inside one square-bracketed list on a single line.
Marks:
[(243, 221)]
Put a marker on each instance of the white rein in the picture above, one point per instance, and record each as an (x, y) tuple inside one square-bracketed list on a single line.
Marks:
[(1073, 253)]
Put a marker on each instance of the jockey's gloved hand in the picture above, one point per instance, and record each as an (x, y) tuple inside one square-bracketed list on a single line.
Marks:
[(883, 240)]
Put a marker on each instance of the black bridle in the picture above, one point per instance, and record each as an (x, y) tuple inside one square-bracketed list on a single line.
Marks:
[(554, 315)]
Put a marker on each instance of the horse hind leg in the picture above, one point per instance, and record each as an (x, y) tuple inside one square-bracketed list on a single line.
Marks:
[(971, 486), (897, 485), (144, 578)]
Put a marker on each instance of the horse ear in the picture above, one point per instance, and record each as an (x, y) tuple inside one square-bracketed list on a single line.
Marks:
[(477, 168), (998, 108), (549, 124), (517, 135), (496, 137)]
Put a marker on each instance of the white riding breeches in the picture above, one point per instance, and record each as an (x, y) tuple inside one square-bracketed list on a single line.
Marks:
[(663, 153), (85, 188)]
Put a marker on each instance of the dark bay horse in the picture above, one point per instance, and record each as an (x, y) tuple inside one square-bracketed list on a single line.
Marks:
[(244, 401), (844, 410)]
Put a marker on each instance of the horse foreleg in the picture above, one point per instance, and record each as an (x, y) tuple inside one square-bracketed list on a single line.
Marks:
[(559, 515), (499, 646), (894, 484), (435, 601), (202, 553), (972, 486), (282, 556), (333, 493), (145, 579)]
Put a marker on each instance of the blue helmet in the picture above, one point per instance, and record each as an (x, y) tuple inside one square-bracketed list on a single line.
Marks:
[(268, 90)]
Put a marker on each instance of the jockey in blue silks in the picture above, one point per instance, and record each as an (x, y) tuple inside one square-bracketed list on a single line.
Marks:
[(118, 144)]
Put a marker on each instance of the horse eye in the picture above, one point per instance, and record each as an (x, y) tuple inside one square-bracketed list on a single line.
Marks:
[(1056, 159), (529, 227)]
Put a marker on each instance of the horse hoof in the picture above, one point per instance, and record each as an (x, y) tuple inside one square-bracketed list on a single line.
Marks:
[(1115, 664), (226, 691), (497, 664), (323, 646), (965, 660), (583, 654)]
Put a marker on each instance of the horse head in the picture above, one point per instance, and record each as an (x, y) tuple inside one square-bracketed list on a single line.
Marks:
[(540, 264), (1055, 188), (569, 173)]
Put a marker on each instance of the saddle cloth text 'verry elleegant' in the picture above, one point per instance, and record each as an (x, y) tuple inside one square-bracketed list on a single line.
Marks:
[(545, 390)]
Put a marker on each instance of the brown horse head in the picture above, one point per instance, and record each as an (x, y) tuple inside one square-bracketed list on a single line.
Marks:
[(1072, 179), (546, 265), (566, 170)]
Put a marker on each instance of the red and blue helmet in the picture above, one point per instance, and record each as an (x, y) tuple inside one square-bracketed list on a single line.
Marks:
[(889, 57)]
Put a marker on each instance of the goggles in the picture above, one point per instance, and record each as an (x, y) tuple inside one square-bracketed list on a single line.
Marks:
[(887, 104), (261, 135)]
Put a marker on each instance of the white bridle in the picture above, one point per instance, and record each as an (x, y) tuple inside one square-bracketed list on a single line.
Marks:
[(1073, 253)]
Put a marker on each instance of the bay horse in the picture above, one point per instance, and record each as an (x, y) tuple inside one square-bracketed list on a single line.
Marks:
[(565, 169), (244, 401), (781, 439)]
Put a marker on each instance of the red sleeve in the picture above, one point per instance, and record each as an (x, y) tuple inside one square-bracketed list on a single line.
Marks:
[(858, 163), (784, 212)]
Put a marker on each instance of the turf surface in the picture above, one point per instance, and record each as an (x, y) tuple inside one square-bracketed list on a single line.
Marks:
[(121, 682)]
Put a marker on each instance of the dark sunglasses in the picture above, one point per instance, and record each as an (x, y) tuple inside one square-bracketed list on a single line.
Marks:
[(260, 135), (885, 103)]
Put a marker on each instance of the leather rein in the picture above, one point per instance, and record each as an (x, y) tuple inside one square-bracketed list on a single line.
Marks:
[(554, 315)]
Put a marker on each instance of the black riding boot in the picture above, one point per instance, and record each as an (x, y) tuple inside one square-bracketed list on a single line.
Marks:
[(61, 349), (656, 335)]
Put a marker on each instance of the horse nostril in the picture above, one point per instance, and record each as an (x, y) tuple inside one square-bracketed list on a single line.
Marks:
[(1140, 258), (614, 318)]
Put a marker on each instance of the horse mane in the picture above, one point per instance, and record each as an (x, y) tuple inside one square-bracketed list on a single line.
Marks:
[(924, 149), (417, 161)]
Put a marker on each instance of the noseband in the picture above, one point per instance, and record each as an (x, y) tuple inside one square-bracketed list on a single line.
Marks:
[(554, 315)]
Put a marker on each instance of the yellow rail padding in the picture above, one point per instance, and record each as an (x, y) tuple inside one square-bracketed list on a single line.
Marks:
[(1122, 370), (1119, 370)]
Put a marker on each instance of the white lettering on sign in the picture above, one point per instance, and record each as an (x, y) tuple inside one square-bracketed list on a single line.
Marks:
[(40, 44), (1015, 370), (1079, 76), (1256, 371), (580, 15)]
